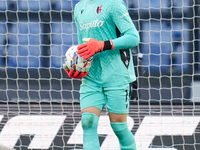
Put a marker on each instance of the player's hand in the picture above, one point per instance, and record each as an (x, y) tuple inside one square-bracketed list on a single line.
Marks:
[(76, 74), (90, 48)]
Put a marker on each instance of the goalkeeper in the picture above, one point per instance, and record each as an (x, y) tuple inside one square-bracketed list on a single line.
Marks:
[(106, 33)]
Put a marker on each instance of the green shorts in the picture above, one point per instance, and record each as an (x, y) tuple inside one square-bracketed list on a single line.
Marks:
[(116, 99)]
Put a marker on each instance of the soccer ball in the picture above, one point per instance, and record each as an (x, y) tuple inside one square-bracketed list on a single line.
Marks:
[(75, 62)]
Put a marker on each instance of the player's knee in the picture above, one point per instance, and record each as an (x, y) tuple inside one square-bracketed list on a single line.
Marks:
[(89, 120), (120, 129), (126, 138), (119, 126)]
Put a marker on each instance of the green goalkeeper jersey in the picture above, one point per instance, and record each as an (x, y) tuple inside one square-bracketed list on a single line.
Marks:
[(104, 20)]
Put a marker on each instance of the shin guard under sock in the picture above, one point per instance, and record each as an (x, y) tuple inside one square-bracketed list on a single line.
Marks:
[(90, 137)]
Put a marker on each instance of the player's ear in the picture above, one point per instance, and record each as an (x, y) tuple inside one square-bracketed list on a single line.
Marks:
[(86, 40)]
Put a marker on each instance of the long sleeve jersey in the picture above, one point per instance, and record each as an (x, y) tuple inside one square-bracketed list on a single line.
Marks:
[(104, 20)]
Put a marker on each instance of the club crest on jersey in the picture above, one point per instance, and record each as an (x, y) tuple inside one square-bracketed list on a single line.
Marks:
[(99, 9)]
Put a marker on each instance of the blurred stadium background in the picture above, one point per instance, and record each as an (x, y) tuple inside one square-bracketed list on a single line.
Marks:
[(34, 36)]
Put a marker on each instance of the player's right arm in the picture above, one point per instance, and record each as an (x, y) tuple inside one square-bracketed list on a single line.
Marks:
[(76, 74), (72, 73), (79, 36)]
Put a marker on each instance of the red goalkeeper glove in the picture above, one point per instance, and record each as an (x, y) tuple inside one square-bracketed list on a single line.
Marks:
[(76, 74), (92, 47)]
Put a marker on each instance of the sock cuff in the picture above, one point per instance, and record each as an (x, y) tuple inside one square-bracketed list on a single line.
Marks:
[(125, 136), (89, 113), (89, 120), (118, 126)]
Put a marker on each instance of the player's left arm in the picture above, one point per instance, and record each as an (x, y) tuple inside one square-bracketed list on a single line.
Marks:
[(93, 46), (125, 25), (129, 39), (120, 16)]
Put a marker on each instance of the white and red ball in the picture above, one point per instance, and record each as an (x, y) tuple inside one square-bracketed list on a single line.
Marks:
[(75, 62)]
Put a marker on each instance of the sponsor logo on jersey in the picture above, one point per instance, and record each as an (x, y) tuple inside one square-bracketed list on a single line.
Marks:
[(99, 9), (96, 23)]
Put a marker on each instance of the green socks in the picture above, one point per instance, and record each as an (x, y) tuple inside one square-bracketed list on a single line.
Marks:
[(90, 136), (125, 136)]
